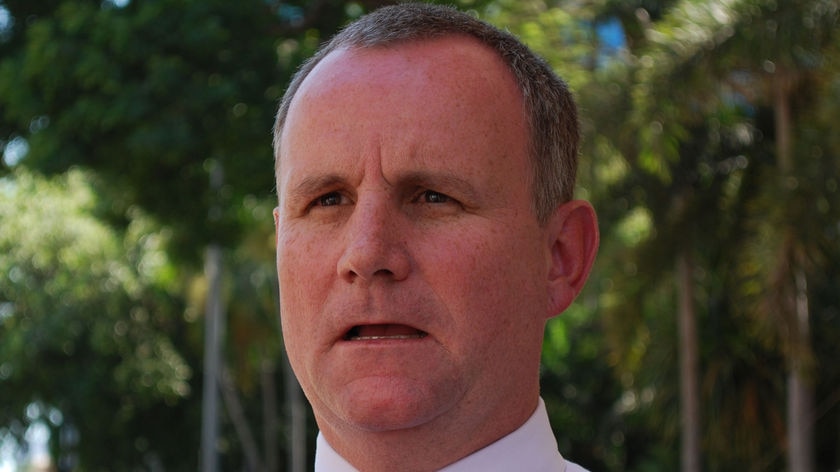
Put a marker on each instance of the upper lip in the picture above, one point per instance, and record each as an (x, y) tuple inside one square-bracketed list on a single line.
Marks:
[(354, 313)]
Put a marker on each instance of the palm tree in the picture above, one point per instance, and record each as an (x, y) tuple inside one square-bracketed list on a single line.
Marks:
[(701, 83)]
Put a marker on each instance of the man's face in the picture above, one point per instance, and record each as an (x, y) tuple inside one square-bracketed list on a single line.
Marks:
[(412, 268)]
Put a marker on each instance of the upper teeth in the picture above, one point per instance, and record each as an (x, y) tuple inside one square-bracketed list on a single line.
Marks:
[(396, 336)]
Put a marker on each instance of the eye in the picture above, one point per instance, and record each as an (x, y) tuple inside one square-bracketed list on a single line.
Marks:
[(329, 199), (430, 196)]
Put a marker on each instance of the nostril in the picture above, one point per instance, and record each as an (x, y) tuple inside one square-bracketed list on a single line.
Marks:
[(373, 254), (352, 275)]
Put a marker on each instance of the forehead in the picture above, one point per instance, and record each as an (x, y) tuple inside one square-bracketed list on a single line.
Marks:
[(442, 61), (451, 89)]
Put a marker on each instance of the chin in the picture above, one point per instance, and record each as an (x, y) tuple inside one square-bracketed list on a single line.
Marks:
[(392, 406)]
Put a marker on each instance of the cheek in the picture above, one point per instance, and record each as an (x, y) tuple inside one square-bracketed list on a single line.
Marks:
[(487, 278), (300, 273), (288, 264), (301, 261)]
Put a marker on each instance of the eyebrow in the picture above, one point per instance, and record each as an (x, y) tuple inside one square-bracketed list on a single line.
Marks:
[(443, 181), (311, 186)]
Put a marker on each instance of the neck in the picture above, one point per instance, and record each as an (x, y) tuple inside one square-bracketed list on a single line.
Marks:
[(427, 447)]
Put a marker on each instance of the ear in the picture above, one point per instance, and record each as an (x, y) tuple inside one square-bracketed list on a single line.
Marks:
[(276, 214), (573, 233)]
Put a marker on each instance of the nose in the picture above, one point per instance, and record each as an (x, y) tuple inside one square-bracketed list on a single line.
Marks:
[(375, 248)]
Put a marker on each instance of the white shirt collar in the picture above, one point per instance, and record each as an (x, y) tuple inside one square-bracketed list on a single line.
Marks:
[(532, 447)]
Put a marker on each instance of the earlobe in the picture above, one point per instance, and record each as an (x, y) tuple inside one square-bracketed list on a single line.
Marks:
[(573, 232), (276, 214)]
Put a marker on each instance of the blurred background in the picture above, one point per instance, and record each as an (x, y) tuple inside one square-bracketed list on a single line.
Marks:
[(138, 307)]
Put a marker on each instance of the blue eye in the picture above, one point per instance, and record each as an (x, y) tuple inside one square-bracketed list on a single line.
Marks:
[(430, 196)]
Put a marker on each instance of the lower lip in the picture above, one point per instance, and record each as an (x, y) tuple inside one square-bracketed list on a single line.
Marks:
[(396, 340)]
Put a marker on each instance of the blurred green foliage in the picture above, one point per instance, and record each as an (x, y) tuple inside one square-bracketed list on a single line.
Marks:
[(91, 323)]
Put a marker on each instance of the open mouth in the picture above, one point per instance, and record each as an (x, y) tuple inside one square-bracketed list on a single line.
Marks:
[(380, 332)]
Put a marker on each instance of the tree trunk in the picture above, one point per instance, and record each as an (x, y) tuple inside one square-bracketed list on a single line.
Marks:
[(212, 353), (296, 420), (213, 326), (689, 370), (269, 397), (240, 424), (800, 395)]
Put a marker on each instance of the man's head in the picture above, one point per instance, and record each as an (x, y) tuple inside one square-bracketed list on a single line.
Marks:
[(549, 108), (415, 276)]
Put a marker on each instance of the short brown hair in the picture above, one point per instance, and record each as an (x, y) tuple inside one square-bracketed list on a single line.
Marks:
[(550, 110)]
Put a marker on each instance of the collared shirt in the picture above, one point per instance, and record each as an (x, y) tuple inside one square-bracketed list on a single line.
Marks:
[(530, 448)]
